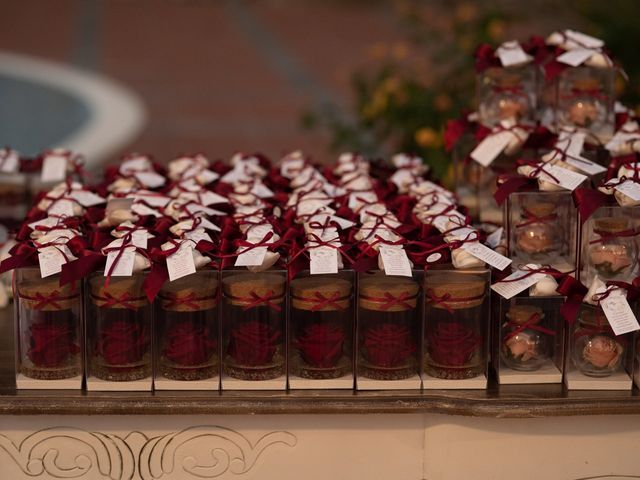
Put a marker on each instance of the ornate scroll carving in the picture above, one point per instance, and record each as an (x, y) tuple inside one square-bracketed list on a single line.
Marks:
[(195, 452)]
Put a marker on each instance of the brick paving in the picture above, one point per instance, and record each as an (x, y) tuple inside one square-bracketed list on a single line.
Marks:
[(216, 76)]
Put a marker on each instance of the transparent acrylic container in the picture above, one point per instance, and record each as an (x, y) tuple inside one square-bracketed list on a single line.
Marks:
[(119, 334), (456, 328), (610, 245), (14, 199), (49, 333), (586, 98), (542, 228), (388, 332), (253, 321), (321, 331), (598, 358), (528, 346), (507, 93), (187, 333)]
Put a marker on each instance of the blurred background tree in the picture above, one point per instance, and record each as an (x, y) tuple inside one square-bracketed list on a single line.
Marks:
[(404, 93)]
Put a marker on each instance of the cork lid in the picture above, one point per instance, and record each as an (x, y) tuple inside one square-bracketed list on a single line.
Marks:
[(47, 295), (122, 292), (594, 317), (190, 294), (388, 294), (586, 84), (500, 77), (248, 288), (453, 292), (541, 209), (611, 224), (521, 314), (320, 294)]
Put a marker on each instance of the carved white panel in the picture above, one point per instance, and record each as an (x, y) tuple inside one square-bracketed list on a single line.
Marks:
[(564, 448), (285, 447)]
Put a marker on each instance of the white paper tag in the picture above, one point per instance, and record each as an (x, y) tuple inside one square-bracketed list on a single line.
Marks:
[(210, 198), (493, 239), (86, 198), (489, 148), (152, 199), (204, 223), (9, 161), (586, 165), (562, 177), (142, 210), (124, 267), (139, 238), (487, 255), (118, 204), (630, 189), (150, 179), (136, 164), (395, 261), (618, 312), (54, 168), (261, 190), (323, 260), (180, 264), (582, 39), (511, 288), (575, 57), (357, 199), (207, 176), (48, 222), (343, 223), (252, 258), (511, 53), (51, 261), (61, 208), (196, 235), (402, 178)]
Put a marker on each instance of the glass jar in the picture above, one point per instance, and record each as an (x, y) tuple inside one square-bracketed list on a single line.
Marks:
[(538, 233), (254, 325), (612, 248), (389, 325), (585, 100), (525, 343), (49, 328), (455, 323), (595, 350), (188, 328), (505, 94), (321, 327), (119, 329)]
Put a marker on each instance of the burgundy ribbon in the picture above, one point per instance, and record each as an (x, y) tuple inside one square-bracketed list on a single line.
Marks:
[(390, 300), (574, 291), (123, 300), (190, 300), (255, 300), (320, 301), (530, 324), (43, 300), (587, 201), (435, 300)]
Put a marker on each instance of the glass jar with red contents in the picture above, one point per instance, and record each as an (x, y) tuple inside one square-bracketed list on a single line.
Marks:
[(254, 325), (456, 323), (585, 100), (388, 327), (322, 321), (507, 94), (187, 328), (119, 330), (49, 330)]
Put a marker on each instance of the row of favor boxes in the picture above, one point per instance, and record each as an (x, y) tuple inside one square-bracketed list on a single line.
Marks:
[(237, 330)]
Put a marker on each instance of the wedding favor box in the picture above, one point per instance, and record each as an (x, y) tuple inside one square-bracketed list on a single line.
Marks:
[(321, 331), (528, 340), (456, 328), (389, 328), (598, 359), (542, 229), (254, 316), (120, 325), (49, 332), (187, 333), (506, 93), (586, 99), (610, 245)]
